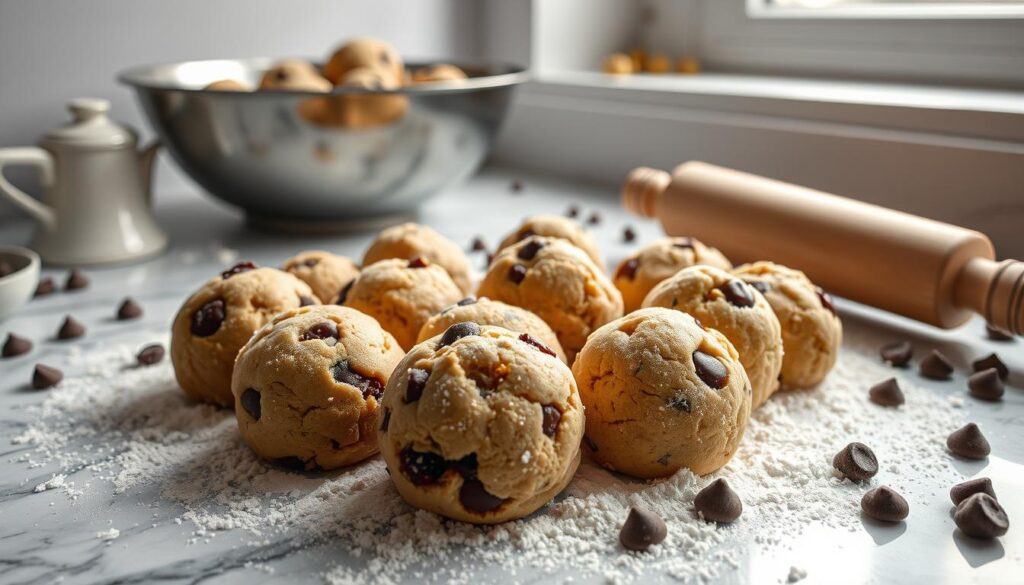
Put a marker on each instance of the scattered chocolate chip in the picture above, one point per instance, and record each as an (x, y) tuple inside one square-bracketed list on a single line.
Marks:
[(981, 516), (627, 269), (467, 301), (343, 293), (883, 503), (207, 320), (551, 417), (516, 186), (344, 374), (322, 330), (997, 333), (517, 273), (385, 420), (886, 393), (251, 400), (414, 387), (45, 287), (458, 331), (968, 442), (71, 329), (710, 369), (897, 354), (760, 286), (857, 462), (76, 280), (594, 218), (718, 503), (44, 377), (962, 491), (16, 345), (418, 262), (474, 497), (590, 443), (129, 309), (642, 529), (680, 402), (6, 268), (530, 249), (150, 354), (478, 244), (986, 385), (238, 269), (527, 339), (991, 361), (422, 468), (305, 301), (737, 293), (573, 211), (628, 234), (936, 366)]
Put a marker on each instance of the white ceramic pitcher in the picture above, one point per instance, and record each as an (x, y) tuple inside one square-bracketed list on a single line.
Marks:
[(95, 205)]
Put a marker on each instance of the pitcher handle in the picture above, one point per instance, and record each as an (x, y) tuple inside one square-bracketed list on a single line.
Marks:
[(31, 156)]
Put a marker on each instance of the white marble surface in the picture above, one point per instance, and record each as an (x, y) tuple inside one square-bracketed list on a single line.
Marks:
[(47, 537)]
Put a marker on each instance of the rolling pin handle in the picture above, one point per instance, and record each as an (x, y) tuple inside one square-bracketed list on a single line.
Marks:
[(642, 190)]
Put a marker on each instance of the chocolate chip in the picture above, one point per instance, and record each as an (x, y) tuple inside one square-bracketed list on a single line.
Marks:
[(238, 269), (986, 385), (418, 262), (385, 420), (686, 243), (129, 309), (680, 402), (826, 300), (594, 219), (718, 503), (968, 442), (5, 268), (627, 269), (344, 374), (422, 468), (475, 498), (343, 293), (897, 353), (527, 339), (991, 361), (467, 301), (530, 249), (305, 301), (962, 491), (466, 467), (45, 287), (710, 369), (628, 234), (207, 320), (737, 293), (71, 329), (551, 417), (883, 503), (478, 244), (311, 262), (150, 354), (886, 393), (642, 529), (759, 285), (997, 333), (414, 387), (251, 400), (663, 460), (322, 330), (857, 462), (458, 331), (281, 74), (936, 366), (516, 186), (16, 345), (76, 280), (573, 211), (44, 377), (981, 516)]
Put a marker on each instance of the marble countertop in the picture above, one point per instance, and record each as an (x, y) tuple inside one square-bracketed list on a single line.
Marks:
[(48, 537)]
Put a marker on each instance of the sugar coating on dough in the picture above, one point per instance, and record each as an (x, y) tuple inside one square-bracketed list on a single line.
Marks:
[(560, 284), (292, 408), (811, 332), (203, 364), (649, 412), (479, 419), (554, 226), (401, 297), (324, 272), (638, 273), (484, 311), (364, 52), (411, 240), (754, 330), (294, 75)]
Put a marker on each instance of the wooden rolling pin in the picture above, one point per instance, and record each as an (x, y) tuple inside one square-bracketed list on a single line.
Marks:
[(926, 270)]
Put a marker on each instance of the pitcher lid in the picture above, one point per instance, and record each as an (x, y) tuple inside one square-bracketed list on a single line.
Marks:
[(91, 128)]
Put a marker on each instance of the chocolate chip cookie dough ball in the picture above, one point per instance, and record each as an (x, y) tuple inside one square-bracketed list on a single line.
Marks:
[(228, 85), (811, 330), (559, 283), (411, 240), (481, 425), (554, 226), (324, 272), (401, 295), (661, 393), (218, 319), (484, 311), (721, 301), (294, 75), (442, 72), (640, 272), (364, 52), (307, 387), (367, 110)]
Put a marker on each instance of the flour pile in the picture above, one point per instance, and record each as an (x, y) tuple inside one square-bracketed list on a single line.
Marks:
[(132, 428)]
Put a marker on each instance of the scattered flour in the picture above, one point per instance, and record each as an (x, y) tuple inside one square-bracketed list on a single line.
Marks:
[(53, 483), (108, 535)]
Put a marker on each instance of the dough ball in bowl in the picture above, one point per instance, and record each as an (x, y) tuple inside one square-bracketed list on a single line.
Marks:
[(411, 240), (641, 271), (364, 52), (554, 226), (294, 75), (324, 272), (441, 72)]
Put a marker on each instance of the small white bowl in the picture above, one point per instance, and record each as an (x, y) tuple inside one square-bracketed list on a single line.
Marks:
[(18, 286)]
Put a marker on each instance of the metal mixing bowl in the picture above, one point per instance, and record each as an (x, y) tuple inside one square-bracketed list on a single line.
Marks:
[(302, 160)]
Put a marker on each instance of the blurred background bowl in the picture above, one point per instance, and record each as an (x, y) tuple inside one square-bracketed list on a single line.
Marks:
[(304, 160), (17, 287)]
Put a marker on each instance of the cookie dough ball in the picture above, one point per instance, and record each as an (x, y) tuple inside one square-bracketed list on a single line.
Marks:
[(218, 319), (618, 64), (640, 272), (559, 283), (411, 240), (480, 425), (324, 272), (228, 85), (554, 226), (484, 311), (811, 330), (364, 52), (366, 110), (442, 72), (401, 295), (721, 301), (308, 385), (661, 393), (294, 75)]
